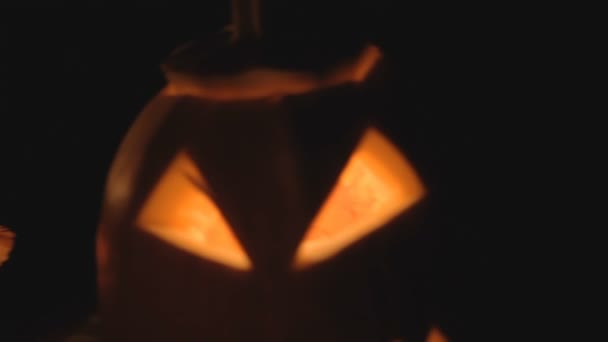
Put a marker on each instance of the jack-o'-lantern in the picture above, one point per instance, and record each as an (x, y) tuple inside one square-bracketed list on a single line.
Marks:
[(257, 203)]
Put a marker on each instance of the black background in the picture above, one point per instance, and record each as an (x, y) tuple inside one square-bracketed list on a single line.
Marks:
[(73, 76)]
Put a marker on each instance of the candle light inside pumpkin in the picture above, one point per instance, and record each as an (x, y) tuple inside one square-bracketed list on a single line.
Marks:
[(435, 335)]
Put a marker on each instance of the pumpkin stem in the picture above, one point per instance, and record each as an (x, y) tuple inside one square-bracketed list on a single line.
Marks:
[(246, 19)]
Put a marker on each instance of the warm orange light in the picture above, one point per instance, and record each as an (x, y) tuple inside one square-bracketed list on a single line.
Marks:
[(7, 241), (182, 214), (366, 63), (377, 184), (435, 335)]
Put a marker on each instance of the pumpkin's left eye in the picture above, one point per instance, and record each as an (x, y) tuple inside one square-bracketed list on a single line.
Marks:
[(377, 184), (179, 212)]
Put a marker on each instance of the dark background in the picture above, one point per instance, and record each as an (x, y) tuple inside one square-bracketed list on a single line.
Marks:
[(73, 76)]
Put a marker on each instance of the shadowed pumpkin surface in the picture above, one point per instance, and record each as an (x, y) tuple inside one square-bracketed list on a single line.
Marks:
[(7, 240)]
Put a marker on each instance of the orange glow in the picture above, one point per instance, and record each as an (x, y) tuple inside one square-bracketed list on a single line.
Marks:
[(435, 335), (377, 184), (366, 63), (7, 241), (180, 213), (266, 82)]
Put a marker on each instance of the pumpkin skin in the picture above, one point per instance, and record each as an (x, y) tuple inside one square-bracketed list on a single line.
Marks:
[(269, 160), (7, 241)]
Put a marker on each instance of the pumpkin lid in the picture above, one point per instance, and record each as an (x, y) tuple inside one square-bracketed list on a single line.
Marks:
[(271, 50), (224, 71)]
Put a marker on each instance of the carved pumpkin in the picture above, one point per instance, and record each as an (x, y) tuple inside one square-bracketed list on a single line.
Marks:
[(257, 203)]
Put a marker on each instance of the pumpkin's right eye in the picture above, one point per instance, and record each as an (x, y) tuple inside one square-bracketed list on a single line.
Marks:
[(181, 213)]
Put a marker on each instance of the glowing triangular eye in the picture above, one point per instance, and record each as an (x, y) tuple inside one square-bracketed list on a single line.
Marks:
[(377, 184), (179, 212)]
